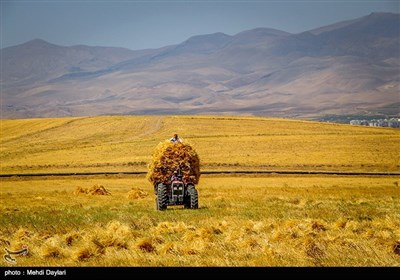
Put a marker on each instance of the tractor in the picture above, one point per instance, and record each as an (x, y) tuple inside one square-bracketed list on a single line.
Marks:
[(176, 191)]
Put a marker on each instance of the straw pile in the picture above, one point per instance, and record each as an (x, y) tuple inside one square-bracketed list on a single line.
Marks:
[(95, 190), (168, 157), (136, 193)]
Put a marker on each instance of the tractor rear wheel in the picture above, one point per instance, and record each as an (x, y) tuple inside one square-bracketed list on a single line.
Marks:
[(192, 201), (162, 197)]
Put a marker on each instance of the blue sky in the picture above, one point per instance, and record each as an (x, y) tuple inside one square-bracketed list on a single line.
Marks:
[(153, 24)]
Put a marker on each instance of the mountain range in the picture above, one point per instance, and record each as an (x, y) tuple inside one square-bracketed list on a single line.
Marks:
[(347, 68)]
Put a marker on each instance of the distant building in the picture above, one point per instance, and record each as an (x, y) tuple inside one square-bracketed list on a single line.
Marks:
[(393, 122)]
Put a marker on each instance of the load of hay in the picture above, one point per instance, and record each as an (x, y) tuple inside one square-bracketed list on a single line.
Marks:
[(168, 157)]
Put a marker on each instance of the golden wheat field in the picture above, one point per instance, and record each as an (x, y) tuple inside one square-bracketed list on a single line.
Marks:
[(243, 220), (270, 220), (124, 143)]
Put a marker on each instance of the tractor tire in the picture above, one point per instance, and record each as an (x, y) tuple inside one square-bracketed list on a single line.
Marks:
[(193, 200), (186, 201), (162, 197)]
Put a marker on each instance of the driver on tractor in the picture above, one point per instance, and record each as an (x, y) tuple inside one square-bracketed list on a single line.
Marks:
[(175, 176)]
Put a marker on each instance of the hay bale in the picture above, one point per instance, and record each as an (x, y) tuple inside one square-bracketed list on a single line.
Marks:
[(98, 190), (95, 190), (168, 157), (136, 193)]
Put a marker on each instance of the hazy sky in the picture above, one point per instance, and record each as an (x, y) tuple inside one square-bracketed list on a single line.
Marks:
[(153, 24)]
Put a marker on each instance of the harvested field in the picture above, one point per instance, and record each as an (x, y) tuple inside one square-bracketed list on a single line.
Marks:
[(271, 220), (243, 219), (126, 143)]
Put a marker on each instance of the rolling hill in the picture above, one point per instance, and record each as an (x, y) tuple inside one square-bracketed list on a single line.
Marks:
[(126, 143), (350, 67)]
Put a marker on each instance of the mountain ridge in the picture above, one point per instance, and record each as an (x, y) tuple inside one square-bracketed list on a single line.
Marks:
[(349, 67)]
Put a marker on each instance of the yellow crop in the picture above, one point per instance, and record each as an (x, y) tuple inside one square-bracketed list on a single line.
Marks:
[(168, 157)]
